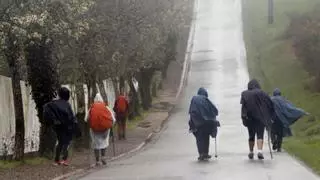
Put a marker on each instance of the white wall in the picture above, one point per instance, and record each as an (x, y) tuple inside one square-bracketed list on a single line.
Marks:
[(32, 125)]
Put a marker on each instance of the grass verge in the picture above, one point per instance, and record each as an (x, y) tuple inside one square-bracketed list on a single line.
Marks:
[(28, 161), (272, 61)]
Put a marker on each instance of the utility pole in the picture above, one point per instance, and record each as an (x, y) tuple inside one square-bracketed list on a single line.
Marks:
[(270, 12)]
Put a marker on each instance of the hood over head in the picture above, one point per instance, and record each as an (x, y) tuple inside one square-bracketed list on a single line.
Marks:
[(98, 98), (203, 92), (277, 92), (253, 84)]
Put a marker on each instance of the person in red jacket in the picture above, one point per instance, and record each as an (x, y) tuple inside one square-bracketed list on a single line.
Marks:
[(121, 108)]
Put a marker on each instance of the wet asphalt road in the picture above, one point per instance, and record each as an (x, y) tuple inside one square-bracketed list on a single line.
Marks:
[(218, 64)]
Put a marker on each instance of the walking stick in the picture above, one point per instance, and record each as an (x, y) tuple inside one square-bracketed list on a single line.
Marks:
[(216, 149), (113, 144), (269, 144)]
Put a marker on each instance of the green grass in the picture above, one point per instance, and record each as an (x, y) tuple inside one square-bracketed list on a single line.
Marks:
[(271, 60), (28, 161), (134, 122)]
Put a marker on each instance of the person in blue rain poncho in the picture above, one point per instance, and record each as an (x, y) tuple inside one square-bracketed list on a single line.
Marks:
[(285, 115), (203, 123)]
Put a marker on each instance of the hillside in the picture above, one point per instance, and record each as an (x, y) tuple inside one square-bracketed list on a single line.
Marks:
[(271, 59)]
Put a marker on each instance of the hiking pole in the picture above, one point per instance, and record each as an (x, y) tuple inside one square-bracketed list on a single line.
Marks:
[(113, 144), (269, 144), (215, 147)]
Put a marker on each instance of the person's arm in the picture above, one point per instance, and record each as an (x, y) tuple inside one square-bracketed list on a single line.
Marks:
[(127, 110), (112, 114), (86, 118), (244, 112), (216, 111), (115, 105), (72, 114)]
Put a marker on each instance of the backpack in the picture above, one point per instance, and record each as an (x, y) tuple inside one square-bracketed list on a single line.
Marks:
[(100, 118), (122, 105)]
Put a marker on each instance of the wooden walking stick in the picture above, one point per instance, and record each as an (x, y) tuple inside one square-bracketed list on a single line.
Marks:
[(113, 143)]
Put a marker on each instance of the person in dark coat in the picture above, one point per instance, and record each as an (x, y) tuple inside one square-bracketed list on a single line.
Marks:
[(256, 113), (59, 114), (203, 123), (285, 115)]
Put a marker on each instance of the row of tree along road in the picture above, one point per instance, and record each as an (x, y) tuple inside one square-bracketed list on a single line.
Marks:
[(48, 43)]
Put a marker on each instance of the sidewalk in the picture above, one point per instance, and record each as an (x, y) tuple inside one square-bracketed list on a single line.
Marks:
[(83, 159)]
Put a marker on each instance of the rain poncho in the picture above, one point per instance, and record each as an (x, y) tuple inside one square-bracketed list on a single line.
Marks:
[(256, 105), (202, 112), (285, 111)]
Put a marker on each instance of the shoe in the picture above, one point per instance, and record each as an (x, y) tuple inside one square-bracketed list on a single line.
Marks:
[(250, 155), (274, 147), (207, 156), (64, 163), (202, 158), (104, 162), (260, 156), (56, 163), (279, 150), (98, 164)]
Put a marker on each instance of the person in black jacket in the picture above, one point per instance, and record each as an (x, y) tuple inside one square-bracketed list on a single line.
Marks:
[(256, 113), (59, 114)]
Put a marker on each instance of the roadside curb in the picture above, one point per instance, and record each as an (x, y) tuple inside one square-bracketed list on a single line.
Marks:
[(83, 172), (184, 77), (187, 59)]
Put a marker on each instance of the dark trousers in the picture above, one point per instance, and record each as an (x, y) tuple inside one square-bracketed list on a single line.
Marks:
[(277, 134), (203, 141), (97, 154), (122, 125), (64, 138)]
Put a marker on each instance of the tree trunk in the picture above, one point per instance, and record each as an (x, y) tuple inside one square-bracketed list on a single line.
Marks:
[(19, 115), (44, 80), (103, 91), (84, 140), (154, 89), (122, 84), (145, 79), (92, 89), (115, 86), (48, 141), (12, 55), (134, 105)]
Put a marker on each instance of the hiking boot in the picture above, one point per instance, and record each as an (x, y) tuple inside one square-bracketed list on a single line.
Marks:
[(260, 156), (250, 155)]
